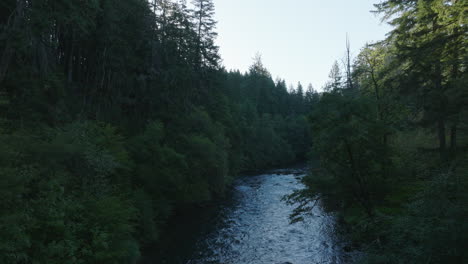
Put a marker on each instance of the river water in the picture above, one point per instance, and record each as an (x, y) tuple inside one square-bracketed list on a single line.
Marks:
[(253, 227)]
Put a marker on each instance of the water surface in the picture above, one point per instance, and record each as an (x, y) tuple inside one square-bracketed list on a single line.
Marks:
[(253, 227)]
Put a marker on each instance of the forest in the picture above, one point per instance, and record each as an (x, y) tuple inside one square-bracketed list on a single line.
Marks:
[(391, 136), (116, 114)]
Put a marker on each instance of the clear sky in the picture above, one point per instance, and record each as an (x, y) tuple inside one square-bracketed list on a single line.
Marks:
[(298, 39)]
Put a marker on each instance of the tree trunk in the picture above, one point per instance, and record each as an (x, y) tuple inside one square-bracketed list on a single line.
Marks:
[(440, 91), (9, 50), (70, 60), (349, 78), (441, 132), (453, 138)]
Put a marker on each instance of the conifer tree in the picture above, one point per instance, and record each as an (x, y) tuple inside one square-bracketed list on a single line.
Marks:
[(335, 83), (205, 25), (425, 35)]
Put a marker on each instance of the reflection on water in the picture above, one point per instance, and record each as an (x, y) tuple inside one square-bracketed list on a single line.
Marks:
[(254, 227)]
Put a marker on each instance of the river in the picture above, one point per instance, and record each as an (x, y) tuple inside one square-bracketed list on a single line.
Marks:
[(252, 226)]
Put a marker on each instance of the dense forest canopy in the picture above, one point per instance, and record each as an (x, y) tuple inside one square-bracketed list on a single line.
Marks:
[(117, 113), (114, 114)]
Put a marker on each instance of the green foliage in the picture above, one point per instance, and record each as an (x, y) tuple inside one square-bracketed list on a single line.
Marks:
[(385, 161), (347, 137), (60, 204), (117, 114), (433, 227)]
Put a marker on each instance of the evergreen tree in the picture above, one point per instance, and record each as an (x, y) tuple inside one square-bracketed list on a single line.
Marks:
[(203, 19), (423, 38), (336, 77)]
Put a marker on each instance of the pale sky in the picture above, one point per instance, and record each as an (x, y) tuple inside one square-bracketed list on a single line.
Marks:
[(298, 39)]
